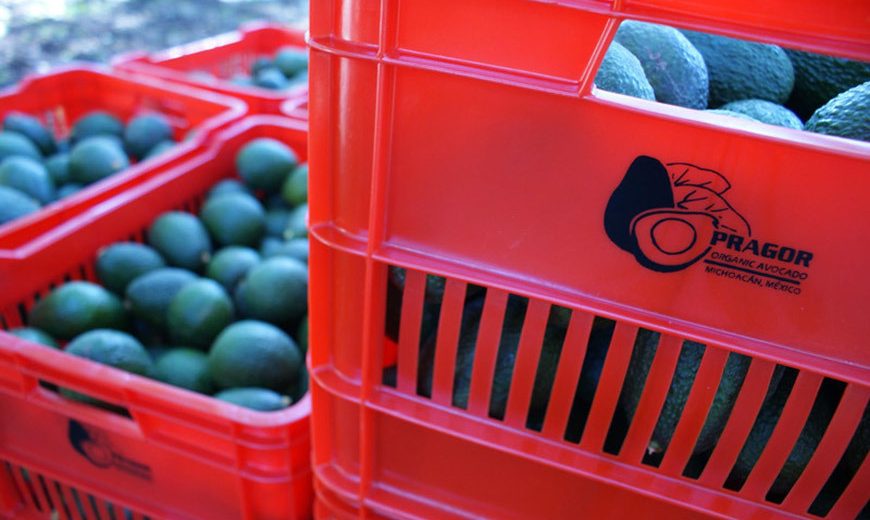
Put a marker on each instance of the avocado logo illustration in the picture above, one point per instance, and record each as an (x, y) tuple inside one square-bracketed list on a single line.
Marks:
[(90, 444), (96, 447), (666, 214)]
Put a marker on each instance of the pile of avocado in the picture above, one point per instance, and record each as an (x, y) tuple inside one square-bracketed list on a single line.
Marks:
[(646, 344), (37, 169), (216, 304), (738, 78), (287, 69)]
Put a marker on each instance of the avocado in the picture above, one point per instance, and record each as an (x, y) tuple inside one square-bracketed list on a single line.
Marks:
[(260, 399), (113, 348), (254, 353), (847, 115), (31, 128), (296, 248), (122, 262), (691, 354), (295, 188), (145, 132), (504, 365), (228, 186), (673, 67), (68, 189), (297, 225), (264, 163), (95, 158), (160, 148), (229, 265), (14, 204), (150, 294), (271, 78), (76, 307), (277, 221), (29, 177), (766, 112), (198, 313), (275, 291), (35, 335), (13, 143), (260, 64), (58, 168), (96, 123), (801, 453), (819, 78), (185, 368), (741, 69), (181, 239), (234, 219), (621, 72), (291, 61)]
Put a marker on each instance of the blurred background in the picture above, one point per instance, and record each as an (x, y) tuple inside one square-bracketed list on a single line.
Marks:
[(39, 34)]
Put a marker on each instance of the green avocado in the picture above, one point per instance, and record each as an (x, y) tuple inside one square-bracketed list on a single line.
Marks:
[(31, 128), (145, 132), (275, 291), (122, 262), (264, 163), (198, 313), (13, 143), (673, 67), (260, 399), (230, 265), (254, 353), (95, 158), (150, 294), (96, 123), (621, 72), (14, 204), (185, 368), (29, 177), (234, 219), (76, 307), (847, 115), (819, 78), (743, 70), (181, 239), (766, 112)]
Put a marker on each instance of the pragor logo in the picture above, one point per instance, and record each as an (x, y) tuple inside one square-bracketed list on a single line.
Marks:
[(670, 216), (95, 446)]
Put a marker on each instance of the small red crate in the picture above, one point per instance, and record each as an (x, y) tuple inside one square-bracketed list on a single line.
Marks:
[(223, 56), (61, 97), (465, 140), (180, 454)]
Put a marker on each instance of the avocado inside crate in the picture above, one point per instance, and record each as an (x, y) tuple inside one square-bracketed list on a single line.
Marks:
[(53, 498), (17, 315), (658, 401)]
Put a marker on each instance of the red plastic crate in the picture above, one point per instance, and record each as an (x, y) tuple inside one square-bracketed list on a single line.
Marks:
[(181, 455), (223, 55), (61, 97), (466, 140)]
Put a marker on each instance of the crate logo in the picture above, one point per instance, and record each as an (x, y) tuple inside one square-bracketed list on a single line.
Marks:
[(670, 216), (94, 445)]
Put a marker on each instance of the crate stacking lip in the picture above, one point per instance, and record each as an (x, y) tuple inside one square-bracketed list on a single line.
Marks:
[(223, 56), (493, 333), (178, 454), (60, 97)]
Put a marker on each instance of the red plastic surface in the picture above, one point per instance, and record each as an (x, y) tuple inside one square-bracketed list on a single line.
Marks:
[(223, 56), (59, 98), (181, 454), (466, 140)]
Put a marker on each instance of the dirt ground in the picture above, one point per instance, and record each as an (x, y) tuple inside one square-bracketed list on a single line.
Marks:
[(42, 34)]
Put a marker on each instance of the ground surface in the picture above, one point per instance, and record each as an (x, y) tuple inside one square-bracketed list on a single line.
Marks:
[(38, 34)]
